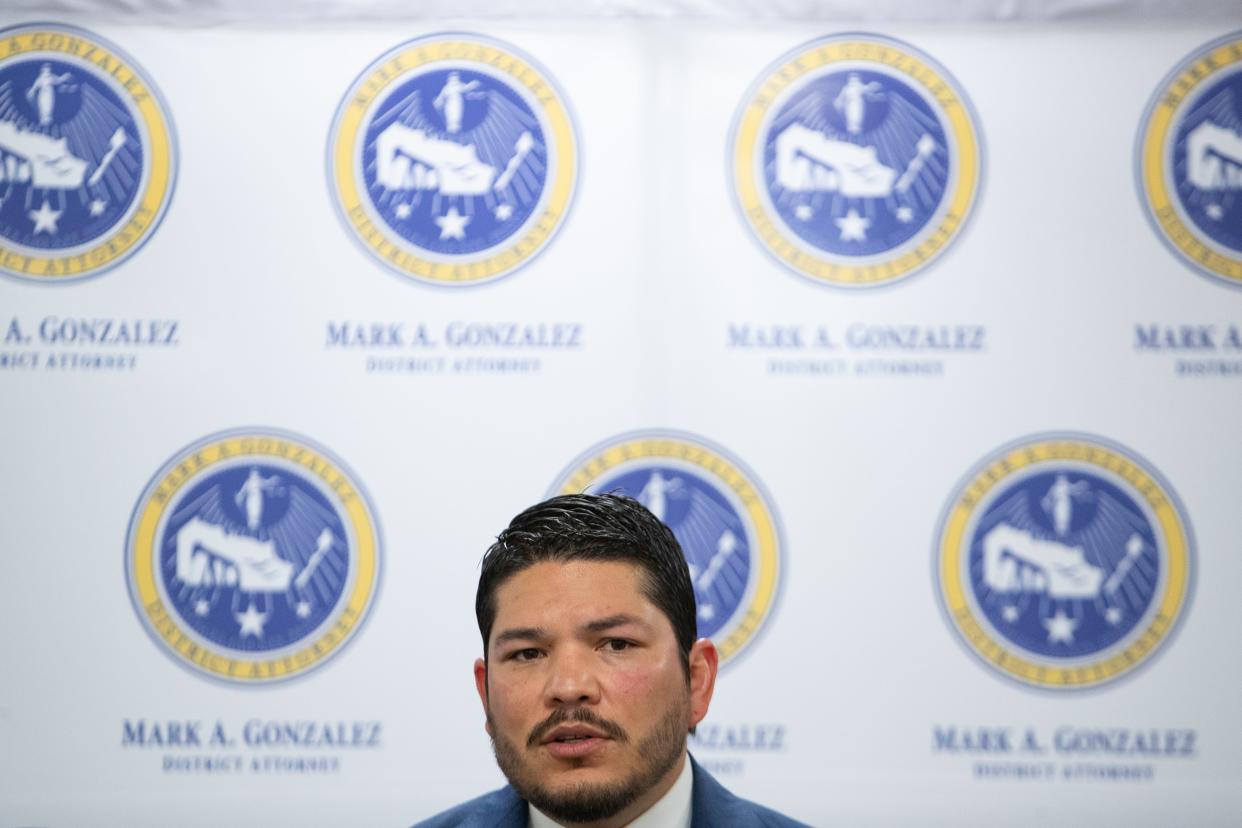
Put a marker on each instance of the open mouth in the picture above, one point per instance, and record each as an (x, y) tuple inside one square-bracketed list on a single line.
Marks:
[(574, 741), (575, 748), (572, 733)]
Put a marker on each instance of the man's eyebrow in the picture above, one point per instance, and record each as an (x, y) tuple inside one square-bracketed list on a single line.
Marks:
[(620, 619), (522, 634)]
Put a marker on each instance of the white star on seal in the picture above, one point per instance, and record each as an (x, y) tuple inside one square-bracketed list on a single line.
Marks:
[(1010, 613), (804, 212), (97, 207), (904, 214), (1060, 628), (453, 224), (403, 211), (1113, 615), (251, 622), (853, 226), (201, 607), (44, 219), (303, 609), (1215, 212), (503, 211)]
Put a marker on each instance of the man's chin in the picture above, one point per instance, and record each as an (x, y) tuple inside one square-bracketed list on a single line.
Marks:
[(574, 789), (581, 795), (571, 773)]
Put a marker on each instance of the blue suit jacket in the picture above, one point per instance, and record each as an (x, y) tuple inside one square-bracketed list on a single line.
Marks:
[(713, 807)]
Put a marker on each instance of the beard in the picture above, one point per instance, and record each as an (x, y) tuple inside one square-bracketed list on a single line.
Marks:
[(657, 752)]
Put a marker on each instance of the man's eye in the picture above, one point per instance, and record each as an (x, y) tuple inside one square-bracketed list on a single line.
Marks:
[(528, 654), (618, 645)]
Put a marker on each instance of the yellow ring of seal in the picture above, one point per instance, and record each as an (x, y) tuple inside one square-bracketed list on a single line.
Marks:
[(148, 208), (953, 547), (960, 195), (143, 554), (350, 128), (1154, 148)]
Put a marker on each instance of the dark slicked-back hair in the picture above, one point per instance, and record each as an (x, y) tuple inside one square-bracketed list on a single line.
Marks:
[(583, 527)]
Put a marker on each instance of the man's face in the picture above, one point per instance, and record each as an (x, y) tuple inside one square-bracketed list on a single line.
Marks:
[(587, 701)]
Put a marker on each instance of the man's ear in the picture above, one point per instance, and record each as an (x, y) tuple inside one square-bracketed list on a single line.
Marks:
[(480, 684), (704, 662)]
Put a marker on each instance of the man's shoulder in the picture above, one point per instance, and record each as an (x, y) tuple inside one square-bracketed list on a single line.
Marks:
[(498, 809), (715, 805)]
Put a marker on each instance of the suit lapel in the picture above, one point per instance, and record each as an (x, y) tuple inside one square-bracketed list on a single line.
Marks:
[(510, 811), (714, 806)]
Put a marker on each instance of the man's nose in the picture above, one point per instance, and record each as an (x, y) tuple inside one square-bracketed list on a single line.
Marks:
[(571, 679)]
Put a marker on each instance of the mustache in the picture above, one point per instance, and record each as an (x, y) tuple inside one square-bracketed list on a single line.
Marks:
[(578, 714)]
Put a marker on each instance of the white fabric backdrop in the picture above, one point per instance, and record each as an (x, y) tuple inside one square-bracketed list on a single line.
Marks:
[(856, 678)]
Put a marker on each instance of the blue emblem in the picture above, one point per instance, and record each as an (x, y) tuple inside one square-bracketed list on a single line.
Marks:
[(722, 519), (865, 153), (1207, 161), (253, 556), (453, 159), (72, 156), (86, 154), (1065, 563)]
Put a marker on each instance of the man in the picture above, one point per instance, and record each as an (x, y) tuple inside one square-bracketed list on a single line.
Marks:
[(592, 677)]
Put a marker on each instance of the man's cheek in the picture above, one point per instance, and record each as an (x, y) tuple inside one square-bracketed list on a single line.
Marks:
[(505, 715), (634, 685)]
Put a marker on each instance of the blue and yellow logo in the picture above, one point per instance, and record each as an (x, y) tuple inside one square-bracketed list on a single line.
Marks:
[(1064, 562), (453, 159), (87, 154), (718, 512), (253, 556), (1189, 159), (856, 160)]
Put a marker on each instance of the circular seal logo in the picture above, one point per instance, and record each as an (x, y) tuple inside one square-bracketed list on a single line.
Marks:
[(1189, 159), (453, 159), (855, 160), (253, 556), (87, 154), (718, 512), (1064, 561)]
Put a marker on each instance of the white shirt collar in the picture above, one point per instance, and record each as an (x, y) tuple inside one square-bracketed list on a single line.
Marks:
[(670, 811)]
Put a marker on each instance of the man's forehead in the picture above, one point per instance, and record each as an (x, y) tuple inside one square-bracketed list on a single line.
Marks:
[(572, 590)]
